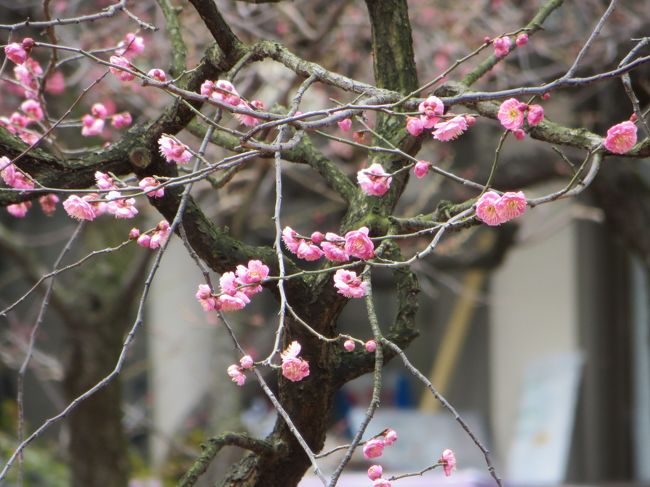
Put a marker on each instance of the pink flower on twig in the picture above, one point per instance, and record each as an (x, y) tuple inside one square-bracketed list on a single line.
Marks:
[(349, 284), (621, 137), (293, 367)]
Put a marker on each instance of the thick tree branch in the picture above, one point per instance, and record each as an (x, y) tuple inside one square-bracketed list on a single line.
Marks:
[(173, 27), (227, 41), (214, 445)]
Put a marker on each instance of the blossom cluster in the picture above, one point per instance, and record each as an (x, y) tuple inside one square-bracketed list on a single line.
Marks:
[(374, 181), (153, 239), (512, 114), (494, 209), (128, 48), (374, 447), (93, 123), (355, 243), (236, 288), (225, 92), (236, 371), (370, 345), (431, 112), (15, 178), (174, 151)]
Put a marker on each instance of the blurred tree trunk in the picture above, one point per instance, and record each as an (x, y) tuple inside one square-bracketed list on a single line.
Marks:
[(104, 297)]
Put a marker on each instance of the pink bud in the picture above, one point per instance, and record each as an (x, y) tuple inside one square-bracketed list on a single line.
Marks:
[(421, 169), (522, 39), (375, 471), (27, 43), (519, 134), (134, 233), (246, 362), (390, 436), (349, 346), (546, 96), (371, 346), (317, 237), (157, 74), (144, 240)]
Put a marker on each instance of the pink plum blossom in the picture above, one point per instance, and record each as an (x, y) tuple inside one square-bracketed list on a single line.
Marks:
[(99, 110), (121, 120), (370, 346), (157, 74), (232, 303), (120, 207), (91, 126), (390, 436), (55, 83), (535, 115), (246, 362), (79, 208), (345, 125), (19, 210), (448, 461), (334, 248), (254, 273), (121, 62), (431, 109), (104, 181), (375, 471), (621, 137), (349, 346), (19, 120), (132, 45), (222, 90), (493, 209), (232, 298), (359, 245), (205, 297), (174, 151), (12, 176), (308, 251), (294, 368), (235, 373), (486, 208), (33, 109), (304, 249), (144, 240), (502, 46), (522, 39), (421, 169), (48, 203), (511, 114), (249, 120), (349, 284), (373, 448), (148, 184), (290, 239), (450, 129), (160, 234), (414, 126), (511, 205), (374, 181), (16, 52)]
